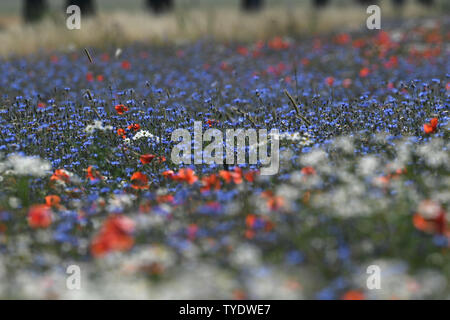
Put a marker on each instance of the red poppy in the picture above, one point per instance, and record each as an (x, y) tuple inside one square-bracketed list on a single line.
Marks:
[(60, 175), (186, 175), (120, 132), (52, 200), (384, 181), (211, 182), (250, 220), (329, 81), (278, 43), (397, 173), (342, 38), (431, 127), (235, 176), (243, 51), (307, 171), (93, 174), (273, 202), (168, 174), (249, 234), (89, 76), (391, 63), (115, 235), (276, 70), (41, 105), (165, 198), (210, 122), (239, 294), (430, 217), (147, 158), (288, 79), (100, 78), (134, 126), (433, 37), (353, 295), (383, 39), (358, 43), (225, 175), (139, 181), (364, 72), (250, 175), (121, 109), (39, 216), (346, 83), (161, 159), (256, 53), (126, 65)]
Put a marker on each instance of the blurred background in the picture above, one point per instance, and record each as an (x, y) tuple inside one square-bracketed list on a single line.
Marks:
[(29, 25)]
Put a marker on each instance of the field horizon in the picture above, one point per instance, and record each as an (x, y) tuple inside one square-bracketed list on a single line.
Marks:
[(117, 27)]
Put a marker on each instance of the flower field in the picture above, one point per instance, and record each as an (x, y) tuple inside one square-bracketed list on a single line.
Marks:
[(86, 176)]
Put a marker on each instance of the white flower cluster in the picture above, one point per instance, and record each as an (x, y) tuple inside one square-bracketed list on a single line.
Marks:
[(246, 255), (435, 153), (98, 125), (25, 166), (119, 202), (145, 134), (270, 282), (303, 138), (146, 257)]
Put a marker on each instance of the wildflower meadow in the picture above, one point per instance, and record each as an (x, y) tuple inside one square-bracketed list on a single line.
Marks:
[(89, 185)]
